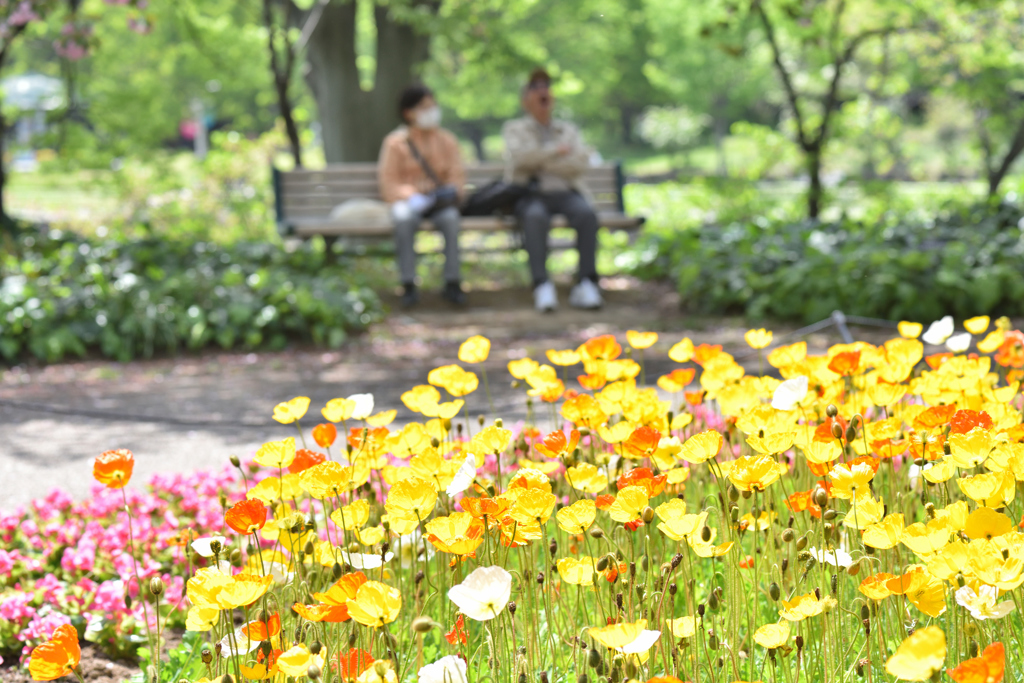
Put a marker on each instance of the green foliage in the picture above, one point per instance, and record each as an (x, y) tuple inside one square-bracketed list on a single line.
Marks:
[(183, 662), (967, 260), (64, 295)]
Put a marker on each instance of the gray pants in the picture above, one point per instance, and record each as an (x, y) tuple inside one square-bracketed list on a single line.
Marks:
[(447, 222), (534, 214)]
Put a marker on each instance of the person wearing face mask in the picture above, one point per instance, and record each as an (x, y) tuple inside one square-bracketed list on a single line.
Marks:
[(550, 155), (420, 173)]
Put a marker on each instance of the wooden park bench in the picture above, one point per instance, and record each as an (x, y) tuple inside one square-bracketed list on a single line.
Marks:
[(303, 200)]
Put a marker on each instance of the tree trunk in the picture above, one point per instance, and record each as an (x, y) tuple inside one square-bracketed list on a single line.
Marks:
[(996, 175), (353, 121), (284, 103), (814, 191)]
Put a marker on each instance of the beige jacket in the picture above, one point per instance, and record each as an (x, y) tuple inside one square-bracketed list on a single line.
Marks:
[(532, 150), (400, 175)]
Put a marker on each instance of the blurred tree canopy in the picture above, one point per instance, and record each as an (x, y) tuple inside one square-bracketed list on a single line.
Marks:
[(835, 87)]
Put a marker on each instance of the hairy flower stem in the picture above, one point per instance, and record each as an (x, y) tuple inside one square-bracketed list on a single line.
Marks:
[(154, 648)]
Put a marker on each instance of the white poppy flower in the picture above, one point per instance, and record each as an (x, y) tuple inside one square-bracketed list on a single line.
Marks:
[(245, 645), (364, 406), (788, 395), (366, 560), (413, 543), (939, 331), (450, 669), (464, 477), (983, 604), (643, 642), (202, 545), (483, 594), (959, 343), (837, 557)]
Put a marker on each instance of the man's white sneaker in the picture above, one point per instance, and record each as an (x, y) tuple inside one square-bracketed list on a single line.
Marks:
[(545, 298), (586, 295)]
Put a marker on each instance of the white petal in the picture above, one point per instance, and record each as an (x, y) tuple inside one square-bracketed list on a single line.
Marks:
[(938, 331), (789, 394), (366, 560), (959, 343), (644, 642), (464, 477), (202, 545), (364, 406), (965, 597), (450, 669), (483, 594), (1002, 609)]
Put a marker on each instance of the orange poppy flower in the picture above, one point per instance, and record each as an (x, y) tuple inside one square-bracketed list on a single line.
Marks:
[(113, 469), (494, 508), (1011, 353), (246, 517), (349, 665), (555, 445), (643, 476), (263, 630), (964, 421), (823, 432), (458, 633), (325, 434), (58, 656), (867, 459), (304, 459), (677, 380), (933, 417), (747, 562), (990, 667), (373, 437), (331, 614), (705, 352), (604, 347), (937, 359), (604, 501), (820, 469), (845, 363), (592, 382), (641, 443), (694, 398)]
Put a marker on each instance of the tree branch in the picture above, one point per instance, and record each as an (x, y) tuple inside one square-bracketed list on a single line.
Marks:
[(312, 19), (787, 81)]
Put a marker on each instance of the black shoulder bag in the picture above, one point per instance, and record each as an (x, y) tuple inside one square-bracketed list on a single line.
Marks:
[(497, 196)]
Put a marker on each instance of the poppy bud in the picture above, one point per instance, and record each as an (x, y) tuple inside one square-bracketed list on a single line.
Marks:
[(785, 564), (799, 640), (860, 669), (596, 532), (308, 548), (458, 428), (127, 601), (206, 656), (632, 570), (266, 648), (434, 442), (677, 559), (235, 461), (700, 610), (705, 534), (830, 514), (225, 679), (713, 603), (235, 557), (644, 564), (540, 578), (640, 592), (422, 625), (420, 576), (851, 433), (970, 629), (817, 593), (672, 588), (582, 678), (788, 535), (746, 493), (713, 642), (156, 586), (837, 430), (618, 601), (593, 658), (630, 669), (602, 563), (352, 639), (647, 514), (544, 677), (336, 571), (313, 672), (972, 648), (215, 547), (774, 592), (553, 547), (820, 497), (835, 584), (480, 420), (734, 493), (831, 410), (801, 542)]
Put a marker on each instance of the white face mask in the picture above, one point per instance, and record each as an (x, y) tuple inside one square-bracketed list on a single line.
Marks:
[(429, 118)]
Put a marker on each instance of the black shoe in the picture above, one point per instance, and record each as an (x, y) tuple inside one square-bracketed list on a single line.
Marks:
[(410, 297), (454, 294)]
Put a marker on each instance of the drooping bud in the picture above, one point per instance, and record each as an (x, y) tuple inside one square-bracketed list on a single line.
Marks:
[(422, 624), (774, 592)]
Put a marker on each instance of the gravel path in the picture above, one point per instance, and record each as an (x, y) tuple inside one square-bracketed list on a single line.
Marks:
[(201, 409)]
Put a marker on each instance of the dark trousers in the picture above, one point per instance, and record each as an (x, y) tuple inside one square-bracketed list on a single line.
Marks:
[(534, 214)]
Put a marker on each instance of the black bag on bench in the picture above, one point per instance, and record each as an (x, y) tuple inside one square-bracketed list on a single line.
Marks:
[(496, 197)]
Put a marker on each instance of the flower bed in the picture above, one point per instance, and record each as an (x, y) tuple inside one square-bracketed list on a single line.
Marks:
[(856, 514)]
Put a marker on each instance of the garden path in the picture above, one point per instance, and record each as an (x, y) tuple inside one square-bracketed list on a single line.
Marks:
[(209, 406)]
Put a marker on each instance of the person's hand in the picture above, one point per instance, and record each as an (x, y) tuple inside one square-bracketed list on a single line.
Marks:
[(420, 202)]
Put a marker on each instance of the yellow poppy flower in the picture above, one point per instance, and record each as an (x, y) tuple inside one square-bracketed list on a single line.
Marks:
[(701, 447), (772, 636), (459, 533), (919, 656), (758, 339), (577, 518), (475, 349), (925, 539), (885, 534), (755, 473), (909, 330), (617, 635), (993, 489), (291, 411), (375, 604), (682, 351), (563, 358), (682, 627), (578, 572), (875, 586), (629, 504), (327, 479), (987, 523), (992, 341), (804, 606), (420, 397), (977, 325), (244, 589), (411, 500), (277, 454), (641, 340), (848, 481), (587, 478)]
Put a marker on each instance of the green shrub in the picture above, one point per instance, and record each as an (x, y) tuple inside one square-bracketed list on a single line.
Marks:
[(62, 295), (966, 260)]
